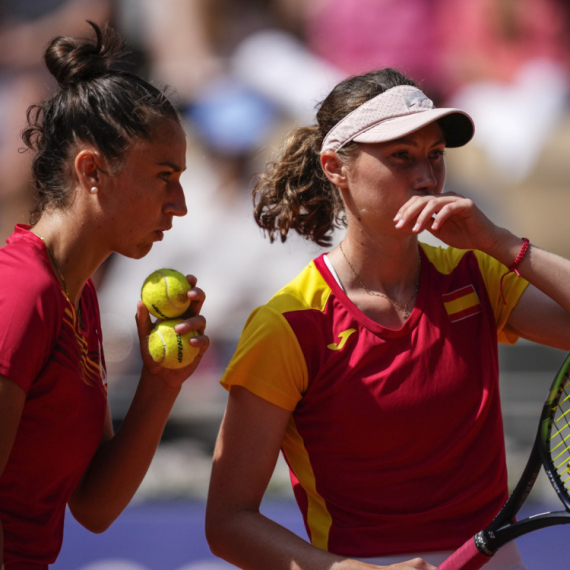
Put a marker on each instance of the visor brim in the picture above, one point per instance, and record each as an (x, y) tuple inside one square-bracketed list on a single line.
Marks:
[(457, 126)]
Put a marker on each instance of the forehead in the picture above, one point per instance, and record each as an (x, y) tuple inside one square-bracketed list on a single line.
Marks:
[(167, 131), (167, 143)]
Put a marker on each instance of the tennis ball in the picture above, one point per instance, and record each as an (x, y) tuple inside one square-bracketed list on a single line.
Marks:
[(165, 293), (170, 349)]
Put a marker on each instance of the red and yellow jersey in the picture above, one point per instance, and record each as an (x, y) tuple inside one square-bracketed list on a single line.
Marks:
[(395, 442)]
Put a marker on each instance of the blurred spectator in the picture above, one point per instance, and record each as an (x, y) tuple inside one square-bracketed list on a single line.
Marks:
[(25, 29), (280, 67), (319, 43), (507, 64), (174, 41), (492, 40), (361, 35)]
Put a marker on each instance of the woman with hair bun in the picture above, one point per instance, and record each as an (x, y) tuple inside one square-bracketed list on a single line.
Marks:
[(109, 150), (375, 370)]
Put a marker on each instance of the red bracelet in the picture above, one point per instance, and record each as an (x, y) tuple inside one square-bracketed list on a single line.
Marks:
[(520, 257), (515, 265)]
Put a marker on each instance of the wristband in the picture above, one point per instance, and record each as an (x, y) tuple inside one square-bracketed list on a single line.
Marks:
[(514, 267)]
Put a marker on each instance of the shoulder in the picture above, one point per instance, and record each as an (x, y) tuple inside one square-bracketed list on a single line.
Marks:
[(294, 308), (27, 282), (308, 290), (444, 259), (448, 259), (25, 272)]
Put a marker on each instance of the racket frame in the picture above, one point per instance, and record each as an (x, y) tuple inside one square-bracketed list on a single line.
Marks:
[(503, 528)]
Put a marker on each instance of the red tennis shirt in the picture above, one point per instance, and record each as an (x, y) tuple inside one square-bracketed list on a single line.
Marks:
[(59, 363), (395, 443)]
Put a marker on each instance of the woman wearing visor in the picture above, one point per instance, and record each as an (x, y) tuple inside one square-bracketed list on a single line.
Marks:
[(375, 370)]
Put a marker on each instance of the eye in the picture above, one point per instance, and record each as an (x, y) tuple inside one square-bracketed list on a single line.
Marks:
[(401, 154), (165, 175), (437, 154)]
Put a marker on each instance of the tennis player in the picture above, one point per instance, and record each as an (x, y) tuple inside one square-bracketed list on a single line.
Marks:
[(375, 370), (109, 151)]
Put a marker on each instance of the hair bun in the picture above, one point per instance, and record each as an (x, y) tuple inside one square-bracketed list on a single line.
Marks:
[(72, 60)]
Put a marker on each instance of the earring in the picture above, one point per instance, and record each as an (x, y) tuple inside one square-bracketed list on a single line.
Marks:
[(94, 190)]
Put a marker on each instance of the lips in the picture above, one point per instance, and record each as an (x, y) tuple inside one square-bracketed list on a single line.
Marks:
[(161, 231)]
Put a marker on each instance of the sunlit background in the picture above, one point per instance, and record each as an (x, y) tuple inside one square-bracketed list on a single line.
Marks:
[(243, 73)]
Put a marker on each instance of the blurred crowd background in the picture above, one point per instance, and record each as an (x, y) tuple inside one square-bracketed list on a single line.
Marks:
[(243, 73)]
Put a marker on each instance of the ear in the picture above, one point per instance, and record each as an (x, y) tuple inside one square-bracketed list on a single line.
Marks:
[(87, 168), (334, 169)]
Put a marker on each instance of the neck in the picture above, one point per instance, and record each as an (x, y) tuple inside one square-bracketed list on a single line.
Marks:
[(71, 256), (390, 266)]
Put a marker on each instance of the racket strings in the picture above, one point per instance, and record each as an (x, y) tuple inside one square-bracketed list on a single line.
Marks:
[(560, 435)]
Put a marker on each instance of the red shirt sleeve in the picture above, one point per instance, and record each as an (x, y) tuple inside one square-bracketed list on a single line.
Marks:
[(31, 306)]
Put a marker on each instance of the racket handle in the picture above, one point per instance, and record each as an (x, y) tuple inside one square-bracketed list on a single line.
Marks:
[(468, 557)]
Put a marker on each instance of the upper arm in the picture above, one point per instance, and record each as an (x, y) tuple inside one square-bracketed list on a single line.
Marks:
[(246, 452), (12, 399), (538, 318)]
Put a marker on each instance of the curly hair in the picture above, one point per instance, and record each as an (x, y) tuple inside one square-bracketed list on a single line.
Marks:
[(293, 192)]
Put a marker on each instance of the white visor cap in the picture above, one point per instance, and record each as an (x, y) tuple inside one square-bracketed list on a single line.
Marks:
[(395, 113)]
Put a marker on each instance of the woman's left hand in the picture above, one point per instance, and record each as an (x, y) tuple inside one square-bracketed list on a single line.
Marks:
[(453, 219), (193, 321)]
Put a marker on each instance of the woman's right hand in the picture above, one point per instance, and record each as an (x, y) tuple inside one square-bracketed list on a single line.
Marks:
[(453, 219), (414, 564)]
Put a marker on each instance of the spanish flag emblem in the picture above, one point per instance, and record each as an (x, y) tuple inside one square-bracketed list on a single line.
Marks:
[(461, 303)]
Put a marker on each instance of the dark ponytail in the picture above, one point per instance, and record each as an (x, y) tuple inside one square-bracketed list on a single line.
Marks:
[(293, 192), (98, 103)]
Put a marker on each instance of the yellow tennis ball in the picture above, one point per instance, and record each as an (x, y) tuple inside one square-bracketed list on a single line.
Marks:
[(165, 293), (170, 349)]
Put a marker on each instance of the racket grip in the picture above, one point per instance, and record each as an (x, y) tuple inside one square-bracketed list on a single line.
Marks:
[(468, 557)]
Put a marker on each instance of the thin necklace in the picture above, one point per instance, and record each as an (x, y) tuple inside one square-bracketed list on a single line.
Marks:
[(402, 306), (62, 279)]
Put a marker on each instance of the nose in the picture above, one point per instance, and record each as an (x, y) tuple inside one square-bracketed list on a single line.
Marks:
[(426, 178), (176, 203)]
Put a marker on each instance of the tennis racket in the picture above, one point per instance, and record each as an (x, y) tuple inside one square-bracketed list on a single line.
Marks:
[(551, 450)]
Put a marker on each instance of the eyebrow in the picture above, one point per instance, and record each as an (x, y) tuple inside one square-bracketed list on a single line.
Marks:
[(174, 167)]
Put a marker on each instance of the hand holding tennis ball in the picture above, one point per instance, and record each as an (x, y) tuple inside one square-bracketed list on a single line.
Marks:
[(165, 293), (169, 348)]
